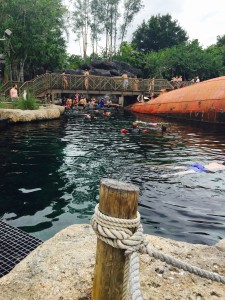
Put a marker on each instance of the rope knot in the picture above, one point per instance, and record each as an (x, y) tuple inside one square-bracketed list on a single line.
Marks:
[(128, 234), (124, 234)]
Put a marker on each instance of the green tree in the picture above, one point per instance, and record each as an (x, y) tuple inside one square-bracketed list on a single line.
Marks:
[(81, 22), (103, 19), (74, 61), (109, 17), (95, 25), (129, 55), (131, 7), (187, 59), (37, 35), (158, 33), (220, 45), (220, 40)]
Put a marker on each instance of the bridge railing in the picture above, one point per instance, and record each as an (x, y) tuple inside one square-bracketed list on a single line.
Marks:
[(95, 83), (180, 84), (154, 86), (41, 83), (47, 83), (37, 85)]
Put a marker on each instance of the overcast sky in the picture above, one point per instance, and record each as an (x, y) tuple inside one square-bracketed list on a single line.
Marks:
[(202, 19)]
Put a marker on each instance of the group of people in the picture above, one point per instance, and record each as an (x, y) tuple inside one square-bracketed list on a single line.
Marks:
[(177, 79), (135, 82), (82, 102), (196, 79), (65, 79), (86, 74), (135, 129)]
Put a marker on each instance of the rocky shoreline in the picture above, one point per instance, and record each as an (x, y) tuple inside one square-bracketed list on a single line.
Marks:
[(62, 268), (44, 113)]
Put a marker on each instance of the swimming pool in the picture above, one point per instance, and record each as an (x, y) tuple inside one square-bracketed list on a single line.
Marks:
[(50, 175)]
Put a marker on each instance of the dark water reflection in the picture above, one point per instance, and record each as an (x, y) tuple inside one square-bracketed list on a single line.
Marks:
[(50, 175)]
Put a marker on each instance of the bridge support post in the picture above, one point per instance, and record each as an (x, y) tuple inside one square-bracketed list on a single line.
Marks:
[(52, 95), (121, 101)]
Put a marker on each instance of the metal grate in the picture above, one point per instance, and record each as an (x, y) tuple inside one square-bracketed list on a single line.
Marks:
[(15, 245)]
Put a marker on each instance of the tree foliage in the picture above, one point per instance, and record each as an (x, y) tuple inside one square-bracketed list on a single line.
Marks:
[(37, 35), (106, 19), (158, 33), (81, 22), (187, 59), (129, 55), (131, 7), (160, 47), (220, 40), (74, 61)]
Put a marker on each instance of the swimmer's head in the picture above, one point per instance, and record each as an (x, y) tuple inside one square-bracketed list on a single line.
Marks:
[(134, 125)]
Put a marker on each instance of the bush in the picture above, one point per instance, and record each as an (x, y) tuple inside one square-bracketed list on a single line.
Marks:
[(4, 105), (30, 103)]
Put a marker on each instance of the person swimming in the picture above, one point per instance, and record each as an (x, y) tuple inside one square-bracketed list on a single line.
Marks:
[(209, 168), (163, 128), (86, 116), (155, 126), (106, 113), (135, 129)]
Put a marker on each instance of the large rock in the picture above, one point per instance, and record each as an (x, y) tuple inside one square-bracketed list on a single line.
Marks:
[(62, 268), (44, 113), (107, 69)]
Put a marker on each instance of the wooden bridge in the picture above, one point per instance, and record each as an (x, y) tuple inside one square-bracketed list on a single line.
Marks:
[(53, 84)]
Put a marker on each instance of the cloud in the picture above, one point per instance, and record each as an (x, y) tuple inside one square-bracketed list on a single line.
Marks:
[(203, 20)]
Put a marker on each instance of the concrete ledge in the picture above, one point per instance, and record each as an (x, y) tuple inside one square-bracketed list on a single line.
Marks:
[(62, 268), (44, 113)]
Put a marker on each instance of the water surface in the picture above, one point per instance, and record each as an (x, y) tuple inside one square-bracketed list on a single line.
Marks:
[(50, 175)]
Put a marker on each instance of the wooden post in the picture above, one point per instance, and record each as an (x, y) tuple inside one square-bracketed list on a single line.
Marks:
[(118, 200), (121, 101)]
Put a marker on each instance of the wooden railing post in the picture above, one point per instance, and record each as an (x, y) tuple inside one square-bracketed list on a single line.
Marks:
[(118, 200)]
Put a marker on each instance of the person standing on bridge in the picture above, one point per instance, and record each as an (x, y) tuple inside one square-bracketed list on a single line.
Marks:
[(152, 88), (125, 81), (136, 84), (65, 80), (197, 79), (86, 78)]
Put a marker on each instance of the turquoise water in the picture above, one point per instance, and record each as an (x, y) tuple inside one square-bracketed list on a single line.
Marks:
[(50, 175)]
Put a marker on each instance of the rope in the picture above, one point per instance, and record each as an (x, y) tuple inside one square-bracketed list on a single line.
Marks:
[(185, 266), (118, 234)]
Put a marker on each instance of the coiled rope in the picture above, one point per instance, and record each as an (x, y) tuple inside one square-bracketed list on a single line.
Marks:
[(128, 234)]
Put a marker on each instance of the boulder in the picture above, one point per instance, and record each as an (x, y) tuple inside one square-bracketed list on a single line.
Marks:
[(63, 267), (99, 72), (106, 68), (105, 65), (43, 113)]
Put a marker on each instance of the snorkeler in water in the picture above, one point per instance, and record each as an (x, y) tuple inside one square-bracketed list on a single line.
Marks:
[(134, 129), (209, 168)]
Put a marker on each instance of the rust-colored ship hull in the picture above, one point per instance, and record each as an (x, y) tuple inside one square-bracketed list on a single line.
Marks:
[(204, 101)]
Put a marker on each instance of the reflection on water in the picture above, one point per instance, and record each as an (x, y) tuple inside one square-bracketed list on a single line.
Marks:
[(50, 174)]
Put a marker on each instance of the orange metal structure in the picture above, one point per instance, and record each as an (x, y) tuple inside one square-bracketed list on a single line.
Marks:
[(204, 101)]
